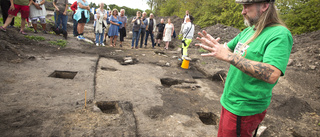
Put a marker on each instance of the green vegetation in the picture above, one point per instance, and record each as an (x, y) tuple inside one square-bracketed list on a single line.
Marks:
[(35, 38), (299, 15), (61, 43), (17, 22)]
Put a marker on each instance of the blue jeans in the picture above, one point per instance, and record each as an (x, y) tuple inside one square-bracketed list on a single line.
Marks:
[(61, 19), (101, 36), (142, 32), (151, 35), (135, 37), (75, 25)]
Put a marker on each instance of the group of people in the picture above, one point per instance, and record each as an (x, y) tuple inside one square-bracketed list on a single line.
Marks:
[(36, 11), (33, 10)]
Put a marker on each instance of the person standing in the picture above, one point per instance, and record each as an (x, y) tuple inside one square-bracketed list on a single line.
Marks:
[(184, 20), (161, 27), (150, 29), (100, 24), (188, 32), (122, 27), (16, 6), (108, 25), (143, 27), (74, 7), (38, 12), (137, 21), (5, 5), (258, 57), (82, 16), (168, 33), (114, 27), (61, 7)]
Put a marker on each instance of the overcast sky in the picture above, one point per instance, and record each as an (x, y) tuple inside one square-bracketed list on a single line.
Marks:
[(140, 4)]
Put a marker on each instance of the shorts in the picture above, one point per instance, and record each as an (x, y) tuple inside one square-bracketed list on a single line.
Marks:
[(159, 35), (228, 124), (42, 19), (24, 10), (83, 18)]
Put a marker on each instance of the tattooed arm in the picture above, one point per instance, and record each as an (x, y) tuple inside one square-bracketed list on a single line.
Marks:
[(259, 70)]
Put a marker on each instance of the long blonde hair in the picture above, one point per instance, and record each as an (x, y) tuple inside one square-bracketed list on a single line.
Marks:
[(268, 18)]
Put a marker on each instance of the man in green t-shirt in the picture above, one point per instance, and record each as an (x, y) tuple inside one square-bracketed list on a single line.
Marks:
[(258, 57)]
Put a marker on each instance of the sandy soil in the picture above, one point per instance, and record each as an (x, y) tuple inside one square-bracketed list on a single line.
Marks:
[(152, 96)]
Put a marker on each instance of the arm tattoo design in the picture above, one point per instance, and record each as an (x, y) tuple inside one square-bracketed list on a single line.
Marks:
[(255, 69)]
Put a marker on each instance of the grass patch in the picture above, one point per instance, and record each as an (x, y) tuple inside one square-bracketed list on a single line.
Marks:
[(35, 38), (61, 43), (203, 63), (17, 22), (201, 50)]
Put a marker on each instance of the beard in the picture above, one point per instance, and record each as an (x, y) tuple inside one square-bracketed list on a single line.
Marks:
[(249, 22)]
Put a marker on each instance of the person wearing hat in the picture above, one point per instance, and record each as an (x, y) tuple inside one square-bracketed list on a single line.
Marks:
[(258, 57)]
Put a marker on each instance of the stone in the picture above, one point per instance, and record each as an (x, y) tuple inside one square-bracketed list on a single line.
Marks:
[(96, 109), (143, 54), (312, 67), (290, 62), (174, 57), (168, 64)]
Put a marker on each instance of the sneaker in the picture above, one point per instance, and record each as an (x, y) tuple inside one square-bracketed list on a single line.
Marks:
[(158, 45), (120, 45), (22, 32), (97, 44), (10, 26), (45, 32), (103, 45), (35, 31), (3, 29), (80, 37)]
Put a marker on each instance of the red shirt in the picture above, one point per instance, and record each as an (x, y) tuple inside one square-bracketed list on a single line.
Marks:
[(74, 6)]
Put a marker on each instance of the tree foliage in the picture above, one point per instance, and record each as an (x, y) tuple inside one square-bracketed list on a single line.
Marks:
[(299, 15)]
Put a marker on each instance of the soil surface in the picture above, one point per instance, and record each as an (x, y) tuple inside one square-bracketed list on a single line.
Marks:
[(85, 90)]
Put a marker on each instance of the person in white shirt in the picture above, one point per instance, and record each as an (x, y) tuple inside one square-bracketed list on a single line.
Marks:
[(100, 24), (184, 20), (188, 32)]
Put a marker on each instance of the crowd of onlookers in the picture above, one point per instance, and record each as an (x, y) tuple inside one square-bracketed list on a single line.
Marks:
[(107, 23)]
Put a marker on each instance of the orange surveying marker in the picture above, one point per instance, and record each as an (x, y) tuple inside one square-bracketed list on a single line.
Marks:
[(185, 63), (85, 99)]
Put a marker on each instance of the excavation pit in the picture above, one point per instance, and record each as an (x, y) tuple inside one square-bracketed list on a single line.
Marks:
[(108, 107), (208, 118), (168, 82), (63, 74)]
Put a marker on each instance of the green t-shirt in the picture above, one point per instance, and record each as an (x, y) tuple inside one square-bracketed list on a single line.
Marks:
[(244, 95), (21, 2)]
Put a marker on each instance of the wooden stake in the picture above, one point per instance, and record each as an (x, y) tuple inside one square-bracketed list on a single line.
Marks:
[(221, 78), (85, 99)]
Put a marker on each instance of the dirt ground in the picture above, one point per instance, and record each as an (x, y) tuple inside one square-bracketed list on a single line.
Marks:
[(150, 96)]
